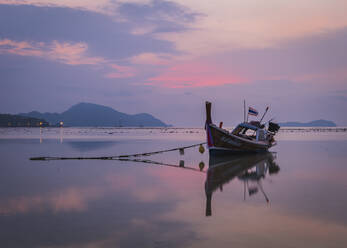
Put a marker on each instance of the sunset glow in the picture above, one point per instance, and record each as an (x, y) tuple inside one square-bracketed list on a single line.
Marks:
[(164, 48), (173, 123)]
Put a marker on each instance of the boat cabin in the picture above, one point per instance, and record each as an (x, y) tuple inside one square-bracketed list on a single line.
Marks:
[(249, 131)]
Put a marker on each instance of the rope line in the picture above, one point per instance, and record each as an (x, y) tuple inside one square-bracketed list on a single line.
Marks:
[(148, 161), (116, 157)]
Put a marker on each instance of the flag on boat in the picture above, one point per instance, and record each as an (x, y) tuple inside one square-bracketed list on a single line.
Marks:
[(252, 111)]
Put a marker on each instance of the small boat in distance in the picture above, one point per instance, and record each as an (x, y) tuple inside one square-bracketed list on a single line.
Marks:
[(246, 137)]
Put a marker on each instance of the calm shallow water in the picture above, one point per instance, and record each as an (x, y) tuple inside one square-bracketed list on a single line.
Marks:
[(98, 203)]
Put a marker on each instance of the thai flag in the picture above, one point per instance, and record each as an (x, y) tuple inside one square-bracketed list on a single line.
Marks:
[(252, 111)]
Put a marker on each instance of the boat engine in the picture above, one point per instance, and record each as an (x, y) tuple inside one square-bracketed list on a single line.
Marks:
[(273, 127)]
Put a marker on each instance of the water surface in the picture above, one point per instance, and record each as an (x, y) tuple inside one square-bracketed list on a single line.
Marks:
[(293, 197)]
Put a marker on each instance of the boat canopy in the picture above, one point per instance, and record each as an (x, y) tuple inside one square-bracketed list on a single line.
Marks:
[(243, 127), (248, 126)]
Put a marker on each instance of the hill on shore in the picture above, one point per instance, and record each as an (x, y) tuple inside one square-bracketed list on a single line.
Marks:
[(316, 123), (89, 114)]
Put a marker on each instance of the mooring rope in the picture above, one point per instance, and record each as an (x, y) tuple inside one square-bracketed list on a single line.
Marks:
[(148, 161), (117, 157)]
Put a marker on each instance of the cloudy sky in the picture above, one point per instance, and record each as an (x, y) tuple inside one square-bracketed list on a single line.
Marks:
[(167, 57)]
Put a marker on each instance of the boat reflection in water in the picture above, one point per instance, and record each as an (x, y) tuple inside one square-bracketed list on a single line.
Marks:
[(249, 168)]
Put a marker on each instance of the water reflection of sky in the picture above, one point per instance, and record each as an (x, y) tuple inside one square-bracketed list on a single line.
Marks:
[(134, 204)]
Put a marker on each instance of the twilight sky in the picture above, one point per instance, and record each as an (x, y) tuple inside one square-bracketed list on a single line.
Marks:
[(167, 57)]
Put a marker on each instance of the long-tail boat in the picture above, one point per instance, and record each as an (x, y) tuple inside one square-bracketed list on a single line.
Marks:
[(246, 137)]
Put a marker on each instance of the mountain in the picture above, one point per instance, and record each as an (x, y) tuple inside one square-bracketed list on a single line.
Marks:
[(316, 123), (89, 114), (7, 120)]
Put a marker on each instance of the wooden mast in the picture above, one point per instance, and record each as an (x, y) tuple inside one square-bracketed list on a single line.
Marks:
[(208, 113)]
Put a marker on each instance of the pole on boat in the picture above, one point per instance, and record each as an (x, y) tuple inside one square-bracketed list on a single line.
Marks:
[(267, 108), (244, 110)]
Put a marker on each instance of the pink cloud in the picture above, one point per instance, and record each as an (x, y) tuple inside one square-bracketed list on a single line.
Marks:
[(121, 71), (65, 53), (22, 48), (100, 6), (150, 59), (73, 54), (195, 74)]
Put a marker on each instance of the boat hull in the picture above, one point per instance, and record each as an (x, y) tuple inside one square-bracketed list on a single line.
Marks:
[(220, 141)]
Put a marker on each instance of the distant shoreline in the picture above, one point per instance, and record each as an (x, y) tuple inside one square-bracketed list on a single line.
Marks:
[(315, 123)]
